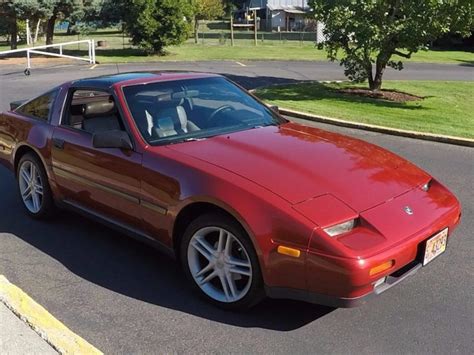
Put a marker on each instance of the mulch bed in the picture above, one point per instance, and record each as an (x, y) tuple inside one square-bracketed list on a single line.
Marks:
[(389, 95)]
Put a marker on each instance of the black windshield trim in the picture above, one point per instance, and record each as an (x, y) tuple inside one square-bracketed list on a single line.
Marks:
[(277, 119)]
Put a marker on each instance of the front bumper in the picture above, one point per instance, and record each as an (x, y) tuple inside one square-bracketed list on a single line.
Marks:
[(341, 282), (351, 278), (344, 302)]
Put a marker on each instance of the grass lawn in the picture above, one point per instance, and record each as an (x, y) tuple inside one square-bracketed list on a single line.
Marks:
[(264, 51), (193, 52), (120, 50), (447, 107)]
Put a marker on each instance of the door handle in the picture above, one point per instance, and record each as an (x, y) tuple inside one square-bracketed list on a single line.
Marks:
[(58, 143)]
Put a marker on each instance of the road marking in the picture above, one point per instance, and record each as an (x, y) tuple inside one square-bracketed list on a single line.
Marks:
[(55, 333), (241, 64), (93, 67)]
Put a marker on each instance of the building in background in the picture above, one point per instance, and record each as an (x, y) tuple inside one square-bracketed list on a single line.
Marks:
[(281, 15)]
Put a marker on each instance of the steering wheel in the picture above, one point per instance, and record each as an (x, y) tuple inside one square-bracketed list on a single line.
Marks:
[(219, 110)]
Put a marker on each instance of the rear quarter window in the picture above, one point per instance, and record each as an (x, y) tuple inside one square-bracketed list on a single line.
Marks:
[(39, 108)]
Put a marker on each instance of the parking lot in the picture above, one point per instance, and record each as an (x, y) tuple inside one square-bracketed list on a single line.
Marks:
[(124, 297)]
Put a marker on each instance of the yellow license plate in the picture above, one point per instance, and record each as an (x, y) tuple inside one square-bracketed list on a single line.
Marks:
[(435, 246)]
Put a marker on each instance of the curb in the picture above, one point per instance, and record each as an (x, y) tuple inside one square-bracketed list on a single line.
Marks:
[(380, 129), (42, 322)]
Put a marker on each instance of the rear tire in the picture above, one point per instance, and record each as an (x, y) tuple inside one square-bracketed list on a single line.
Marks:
[(220, 262), (33, 187)]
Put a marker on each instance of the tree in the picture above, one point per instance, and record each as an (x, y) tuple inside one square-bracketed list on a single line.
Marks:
[(153, 25), (205, 10), (8, 12), (112, 12), (65, 9), (15, 10), (371, 31), (50, 11), (232, 5)]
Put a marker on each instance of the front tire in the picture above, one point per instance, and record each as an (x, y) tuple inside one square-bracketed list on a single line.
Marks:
[(33, 187), (220, 262)]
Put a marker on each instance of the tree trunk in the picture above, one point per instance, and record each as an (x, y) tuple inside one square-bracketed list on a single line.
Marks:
[(196, 30), (70, 30), (37, 31), (13, 32), (370, 76), (380, 65), (50, 29), (376, 84)]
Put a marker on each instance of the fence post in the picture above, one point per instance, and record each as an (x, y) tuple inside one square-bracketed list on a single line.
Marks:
[(28, 33), (231, 30), (28, 59), (255, 26), (93, 51)]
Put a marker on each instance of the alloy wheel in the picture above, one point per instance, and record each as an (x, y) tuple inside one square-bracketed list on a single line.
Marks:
[(31, 186), (219, 264)]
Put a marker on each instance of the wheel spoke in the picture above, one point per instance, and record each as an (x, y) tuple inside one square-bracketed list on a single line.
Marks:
[(223, 238), (231, 283), (240, 271), (36, 201), (203, 247), (240, 267), (208, 268), (225, 286), (39, 189), (27, 193), (33, 173), (208, 278), (238, 262), (24, 175), (228, 246)]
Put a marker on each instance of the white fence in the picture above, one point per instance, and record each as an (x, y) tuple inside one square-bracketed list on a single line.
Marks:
[(36, 50)]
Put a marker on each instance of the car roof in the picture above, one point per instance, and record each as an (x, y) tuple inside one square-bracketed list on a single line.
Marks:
[(134, 78)]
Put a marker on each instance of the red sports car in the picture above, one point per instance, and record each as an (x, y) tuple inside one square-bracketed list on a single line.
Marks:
[(248, 202)]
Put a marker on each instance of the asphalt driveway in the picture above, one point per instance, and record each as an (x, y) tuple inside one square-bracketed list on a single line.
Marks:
[(15, 86)]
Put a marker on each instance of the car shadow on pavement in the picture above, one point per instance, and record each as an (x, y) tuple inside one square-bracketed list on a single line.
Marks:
[(116, 262)]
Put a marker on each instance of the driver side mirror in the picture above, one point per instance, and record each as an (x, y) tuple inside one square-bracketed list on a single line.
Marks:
[(274, 109), (112, 139)]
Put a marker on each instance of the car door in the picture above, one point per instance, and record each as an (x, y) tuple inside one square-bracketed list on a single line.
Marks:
[(102, 181)]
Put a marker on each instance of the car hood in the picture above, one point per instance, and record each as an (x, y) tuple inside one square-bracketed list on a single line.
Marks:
[(298, 163)]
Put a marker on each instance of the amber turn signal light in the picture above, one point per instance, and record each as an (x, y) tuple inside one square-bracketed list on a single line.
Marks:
[(289, 251), (382, 267)]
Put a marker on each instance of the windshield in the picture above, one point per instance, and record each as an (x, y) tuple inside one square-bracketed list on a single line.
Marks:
[(177, 111)]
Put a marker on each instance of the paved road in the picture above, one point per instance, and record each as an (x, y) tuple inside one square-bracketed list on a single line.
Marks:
[(14, 85), (123, 297)]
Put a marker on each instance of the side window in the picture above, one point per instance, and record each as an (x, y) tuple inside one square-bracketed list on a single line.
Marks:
[(92, 111), (40, 107)]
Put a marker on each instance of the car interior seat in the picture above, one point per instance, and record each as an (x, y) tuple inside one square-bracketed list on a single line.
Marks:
[(100, 116), (172, 119)]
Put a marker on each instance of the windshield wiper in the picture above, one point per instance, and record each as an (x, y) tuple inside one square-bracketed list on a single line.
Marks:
[(185, 140), (194, 139), (264, 125)]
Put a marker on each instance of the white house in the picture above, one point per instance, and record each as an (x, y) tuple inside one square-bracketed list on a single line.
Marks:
[(283, 15)]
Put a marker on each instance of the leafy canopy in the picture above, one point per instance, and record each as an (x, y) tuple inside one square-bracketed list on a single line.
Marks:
[(372, 31), (207, 9), (155, 24)]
